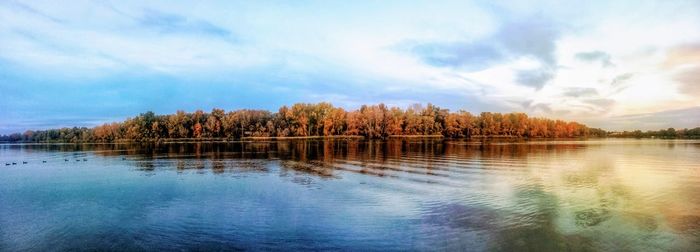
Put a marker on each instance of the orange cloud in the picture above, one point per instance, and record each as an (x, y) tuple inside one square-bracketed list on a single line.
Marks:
[(683, 55)]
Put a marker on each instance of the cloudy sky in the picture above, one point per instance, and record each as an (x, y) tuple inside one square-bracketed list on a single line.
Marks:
[(611, 64)]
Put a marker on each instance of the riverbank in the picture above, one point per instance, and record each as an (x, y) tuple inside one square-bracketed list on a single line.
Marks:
[(335, 137)]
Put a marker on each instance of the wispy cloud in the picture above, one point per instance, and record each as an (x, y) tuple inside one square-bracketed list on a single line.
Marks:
[(471, 56), (690, 81), (535, 78), (170, 23), (684, 60), (595, 56), (602, 104), (620, 79), (580, 92), (28, 9)]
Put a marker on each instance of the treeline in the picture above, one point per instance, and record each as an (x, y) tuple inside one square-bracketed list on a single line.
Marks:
[(669, 133), (322, 119)]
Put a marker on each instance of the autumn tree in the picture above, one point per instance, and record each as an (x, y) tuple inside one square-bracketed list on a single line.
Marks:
[(323, 119), (213, 124)]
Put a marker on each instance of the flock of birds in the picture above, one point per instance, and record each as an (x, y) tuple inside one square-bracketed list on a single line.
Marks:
[(44, 161)]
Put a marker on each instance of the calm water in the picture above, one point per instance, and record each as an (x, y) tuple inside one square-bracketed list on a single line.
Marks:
[(635, 195)]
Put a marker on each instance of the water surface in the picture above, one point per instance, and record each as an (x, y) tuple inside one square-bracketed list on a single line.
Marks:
[(635, 195)]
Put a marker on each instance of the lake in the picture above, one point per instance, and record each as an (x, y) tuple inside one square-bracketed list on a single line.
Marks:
[(608, 194)]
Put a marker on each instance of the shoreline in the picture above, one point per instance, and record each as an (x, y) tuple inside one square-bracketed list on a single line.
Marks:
[(336, 137)]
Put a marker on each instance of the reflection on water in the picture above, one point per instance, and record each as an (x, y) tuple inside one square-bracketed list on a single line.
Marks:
[(346, 194)]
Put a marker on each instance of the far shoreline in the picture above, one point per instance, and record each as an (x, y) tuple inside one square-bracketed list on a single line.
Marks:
[(335, 137)]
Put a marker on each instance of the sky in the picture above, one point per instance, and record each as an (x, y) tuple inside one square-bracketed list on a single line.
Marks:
[(619, 65)]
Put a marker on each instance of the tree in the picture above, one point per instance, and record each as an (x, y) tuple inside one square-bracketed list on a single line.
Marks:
[(178, 125), (213, 123)]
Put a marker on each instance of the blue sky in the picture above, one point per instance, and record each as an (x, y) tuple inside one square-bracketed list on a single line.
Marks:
[(617, 65)]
